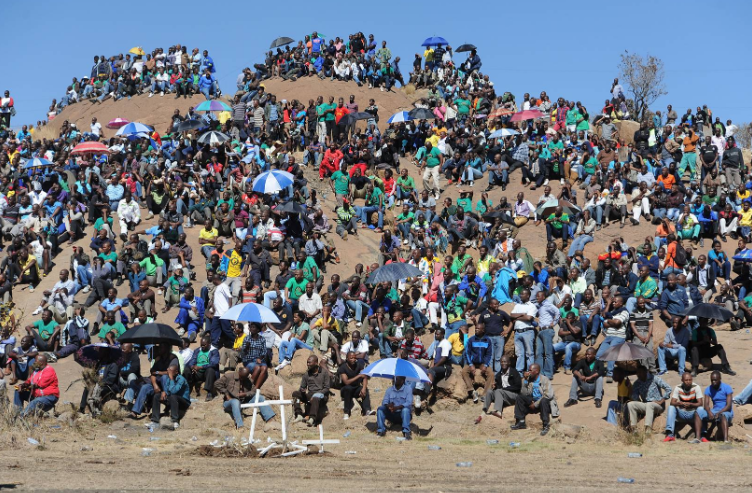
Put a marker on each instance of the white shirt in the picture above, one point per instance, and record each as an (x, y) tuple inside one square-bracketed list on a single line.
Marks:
[(731, 130), (444, 348), (527, 309), (96, 129), (362, 347), (222, 298), (309, 305)]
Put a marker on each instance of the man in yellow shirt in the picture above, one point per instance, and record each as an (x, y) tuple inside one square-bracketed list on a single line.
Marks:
[(232, 266), (326, 330), (745, 221), (207, 238), (428, 58), (458, 347)]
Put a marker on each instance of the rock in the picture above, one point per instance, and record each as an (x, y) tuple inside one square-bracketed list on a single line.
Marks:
[(569, 431), (446, 405), (299, 363), (627, 130), (68, 417), (272, 426), (454, 387), (270, 389), (112, 406)]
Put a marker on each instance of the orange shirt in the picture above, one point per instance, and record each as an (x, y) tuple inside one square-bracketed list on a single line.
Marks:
[(661, 231), (339, 113), (668, 181), (670, 255), (690, 142)]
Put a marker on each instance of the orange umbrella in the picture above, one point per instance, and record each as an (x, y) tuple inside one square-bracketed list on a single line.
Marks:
[(90, 148)]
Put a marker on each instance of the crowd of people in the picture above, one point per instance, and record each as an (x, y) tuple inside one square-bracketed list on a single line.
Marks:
[(275, 248)]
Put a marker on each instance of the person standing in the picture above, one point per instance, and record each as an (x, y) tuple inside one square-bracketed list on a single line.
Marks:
[(548, 317), (523, 315)]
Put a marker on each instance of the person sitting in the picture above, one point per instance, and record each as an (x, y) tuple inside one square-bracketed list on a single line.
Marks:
[(536, 396), (357, 345), (20, 360), (203, 367), (175, 395), (587, 377), (145, 388), (704, 344), (674, 345), (107, 386), (313, 392), (236, 388), (649, 393), (229, 357), (396, 406), (41, 390), (253, 353), (505, 390), (478, 361), (191, 315), (718, 406), (354, 385), (301, 337), (47, 333), (570, 331), (623, 394), (59, 299), (440, 368), (686, 406), (111, 329)]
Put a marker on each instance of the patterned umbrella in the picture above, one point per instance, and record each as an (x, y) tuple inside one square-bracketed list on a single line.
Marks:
[(400, 116), (272, 181), (90, 148), (626, 351), (137, 50), (36, 162), (117, 123), (213, 105), (744, 256), (500, 112), (90, 356), (394, 272), (396, 367), (503, 132), (526, 115), (213, 137), (251, 312), (134, 128)]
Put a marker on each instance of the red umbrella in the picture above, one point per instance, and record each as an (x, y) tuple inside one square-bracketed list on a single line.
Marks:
[(117, 123), (90, 148), (499, 112), (526, 115)]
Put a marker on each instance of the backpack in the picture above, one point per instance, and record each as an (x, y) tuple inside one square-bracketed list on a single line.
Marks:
[(681, 255)]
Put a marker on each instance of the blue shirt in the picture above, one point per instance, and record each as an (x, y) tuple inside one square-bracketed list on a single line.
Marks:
[(718, 396), (465, 286), (399, 397), (114, 192), (112, 305), (375, 304), (673, 301), (537, 393), (478, 351), (548, 314), (179, 386)]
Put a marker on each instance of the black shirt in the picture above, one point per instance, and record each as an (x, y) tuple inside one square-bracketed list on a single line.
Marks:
[(709, 152), (285, 317), (583, 367), (495, 322), (344, 369)]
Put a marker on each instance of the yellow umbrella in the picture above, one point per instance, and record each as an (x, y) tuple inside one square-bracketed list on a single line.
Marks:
[(137, 51), (223, 116)]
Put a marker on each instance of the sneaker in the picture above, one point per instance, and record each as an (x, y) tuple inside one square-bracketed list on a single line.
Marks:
[(704, 440), (545, 430), (416, 402), (298, 419), (175, 426), (561, 181), (475, 396), (345, 417), (37, 311), (370, 412), (151, 94), (661, 373), (691, 441), (161, 94), (670, 438), (358, 324), (31, 289), (609, 379), (598, 403), (567, 371), (408, 435), (310, 422), (380, 434), (86, 289), (570, 402), (51, 357), (545, 182)]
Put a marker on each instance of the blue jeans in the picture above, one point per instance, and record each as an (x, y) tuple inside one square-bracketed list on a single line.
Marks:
[(745, 396), (383, 413), (145, 394), (597, 212), (288, 348), (673, 214), (233, 407), (612, 414), (568, 348), (43, 403), (271, 295), (523, 348), (544, 352), (453, 328), (419, 320), (385, 347), (497, 351), (367, 210), (683, 416), (552, 232), (579, 244), (357, 307), (84, 276), (607, 343), (679, 353), (592, 328)]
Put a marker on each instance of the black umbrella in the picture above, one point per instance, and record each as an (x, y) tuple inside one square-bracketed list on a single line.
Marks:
[(187, 125), (393, 272), (465, 47), (421, 114), (351, 118), (291, 208), (495, 214), (709, 310), (284, 40), (151, 334)]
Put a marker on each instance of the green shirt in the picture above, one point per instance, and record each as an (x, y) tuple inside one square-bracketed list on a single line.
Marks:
[(99, 223), (558, 222), (463, 106), (465, 203), (459, 262), (553, 146), (432, 157), (110, 257), (374, 198), (303, 327), (223, 201), (455, 307), (481, 208), (45, 330), (296, 288), (341, 182), (117, 327), (202, 358), (646, 289), (410, 217), (406, 184), (310, 270), (564, 312), (149, 267), (329, 116)]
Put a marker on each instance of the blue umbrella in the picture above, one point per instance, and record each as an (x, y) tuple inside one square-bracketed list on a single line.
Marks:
[(251, 312), (744, 256), (272, 181), (396, 367), (36, 162), (435, 40), (144, 135), (394, 272), (401, 116), (134, 128), (502, 132)]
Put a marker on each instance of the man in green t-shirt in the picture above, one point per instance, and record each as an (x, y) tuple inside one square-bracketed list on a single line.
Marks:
[(47, 333), (430, 165), (340, 183), (374, 203), (406, 187), (404, 222), (557, 226), (295, 288), (111, 329)]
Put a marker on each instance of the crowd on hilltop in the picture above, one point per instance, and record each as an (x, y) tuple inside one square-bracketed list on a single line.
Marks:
[(687, 176)]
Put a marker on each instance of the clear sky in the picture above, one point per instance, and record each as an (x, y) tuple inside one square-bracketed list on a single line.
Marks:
[(568, 49)]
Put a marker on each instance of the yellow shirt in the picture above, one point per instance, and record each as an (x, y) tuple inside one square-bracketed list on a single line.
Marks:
[(333, 324), (746, 219), (434, 140), (456, 340), (743, 195), (428, 55), (208, 235), (238, 344), (622, 390)]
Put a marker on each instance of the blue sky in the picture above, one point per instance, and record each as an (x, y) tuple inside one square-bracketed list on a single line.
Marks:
[(567, 49)]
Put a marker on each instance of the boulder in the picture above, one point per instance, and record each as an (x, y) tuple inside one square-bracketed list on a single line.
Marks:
[(627, 129), (570, 431), (67, 417), (112, 406), (446, 405), (270, 426), (454, 387), (270, 389), (299, 363)]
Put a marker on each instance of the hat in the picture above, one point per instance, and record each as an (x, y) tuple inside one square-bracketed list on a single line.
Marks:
[(521, 274)]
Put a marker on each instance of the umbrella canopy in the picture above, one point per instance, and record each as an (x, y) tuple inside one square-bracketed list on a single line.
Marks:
[(36, 162), (500, 112), (251, 312), (291, 208), (213, 105), (709, 310), (90, 148), (465, 47), (151, 334), (495, 214), (213, 137), (549, 207), (421, 114), (193, 124), (394, 272), (133, 128), (744, 256), (282, 41), (626, 351), (526, 115), (434, 40), (351, 118), (396, 367), (272, 181), (502, 132), (137, 50), (117, 123), (400, 116), (91, 355)]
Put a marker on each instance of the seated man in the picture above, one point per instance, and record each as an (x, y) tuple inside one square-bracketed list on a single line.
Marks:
[(236, 388), (326, 330), (441, 367), (59, 299), (674, 345), (313, 392), (144, 389), (718, 406), (686, 406), (396, 406), (704, 344), (20, 360), (506, 388), (389, 333), (41, 389), (648, 396), (47, 333), (203, 367), (175, 395), (570, 331), (357, 345), (588, 377), (478, 361), (111, 329), (75, 334), (614, 328), (191, 315), (354, 385), (253, 353), (301, 337), (536, 396)]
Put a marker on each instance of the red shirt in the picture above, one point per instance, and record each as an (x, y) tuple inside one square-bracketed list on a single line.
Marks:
[(339, 113), (45, 383)]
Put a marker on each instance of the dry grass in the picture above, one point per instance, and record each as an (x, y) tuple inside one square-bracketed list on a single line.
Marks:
[(410, 89)]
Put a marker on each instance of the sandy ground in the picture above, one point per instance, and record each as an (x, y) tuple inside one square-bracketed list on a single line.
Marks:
[(80, 455)]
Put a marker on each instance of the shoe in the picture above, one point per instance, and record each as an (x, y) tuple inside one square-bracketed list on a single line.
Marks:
[(175, 426), (545, 182), (704, 440), (728, 371), (671, 438), (519, 425), (358, 324), (345, 417), (370, 412), (151, 94), (416, 402), (545, 430), (661, 373), (408, 435), (37, 311), (310, 422), (567, 371), (475, 396), (31, 289), (209, 397), (598, 403), (380, 434), (86, 289), (161, 94), (570, 402), (51, 358), (119, 282), (298, 419), (702, 242), (694, 372)]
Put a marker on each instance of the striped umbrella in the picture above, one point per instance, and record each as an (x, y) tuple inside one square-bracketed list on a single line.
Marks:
[(394, 272), (396, 367), (213, 137), (212, 106), (400, 116), (744, 256), (499, 112), (117, 123), (272, 181), (37, 162), (90, 147), (502, 132), (251, 312), (134, 128)]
